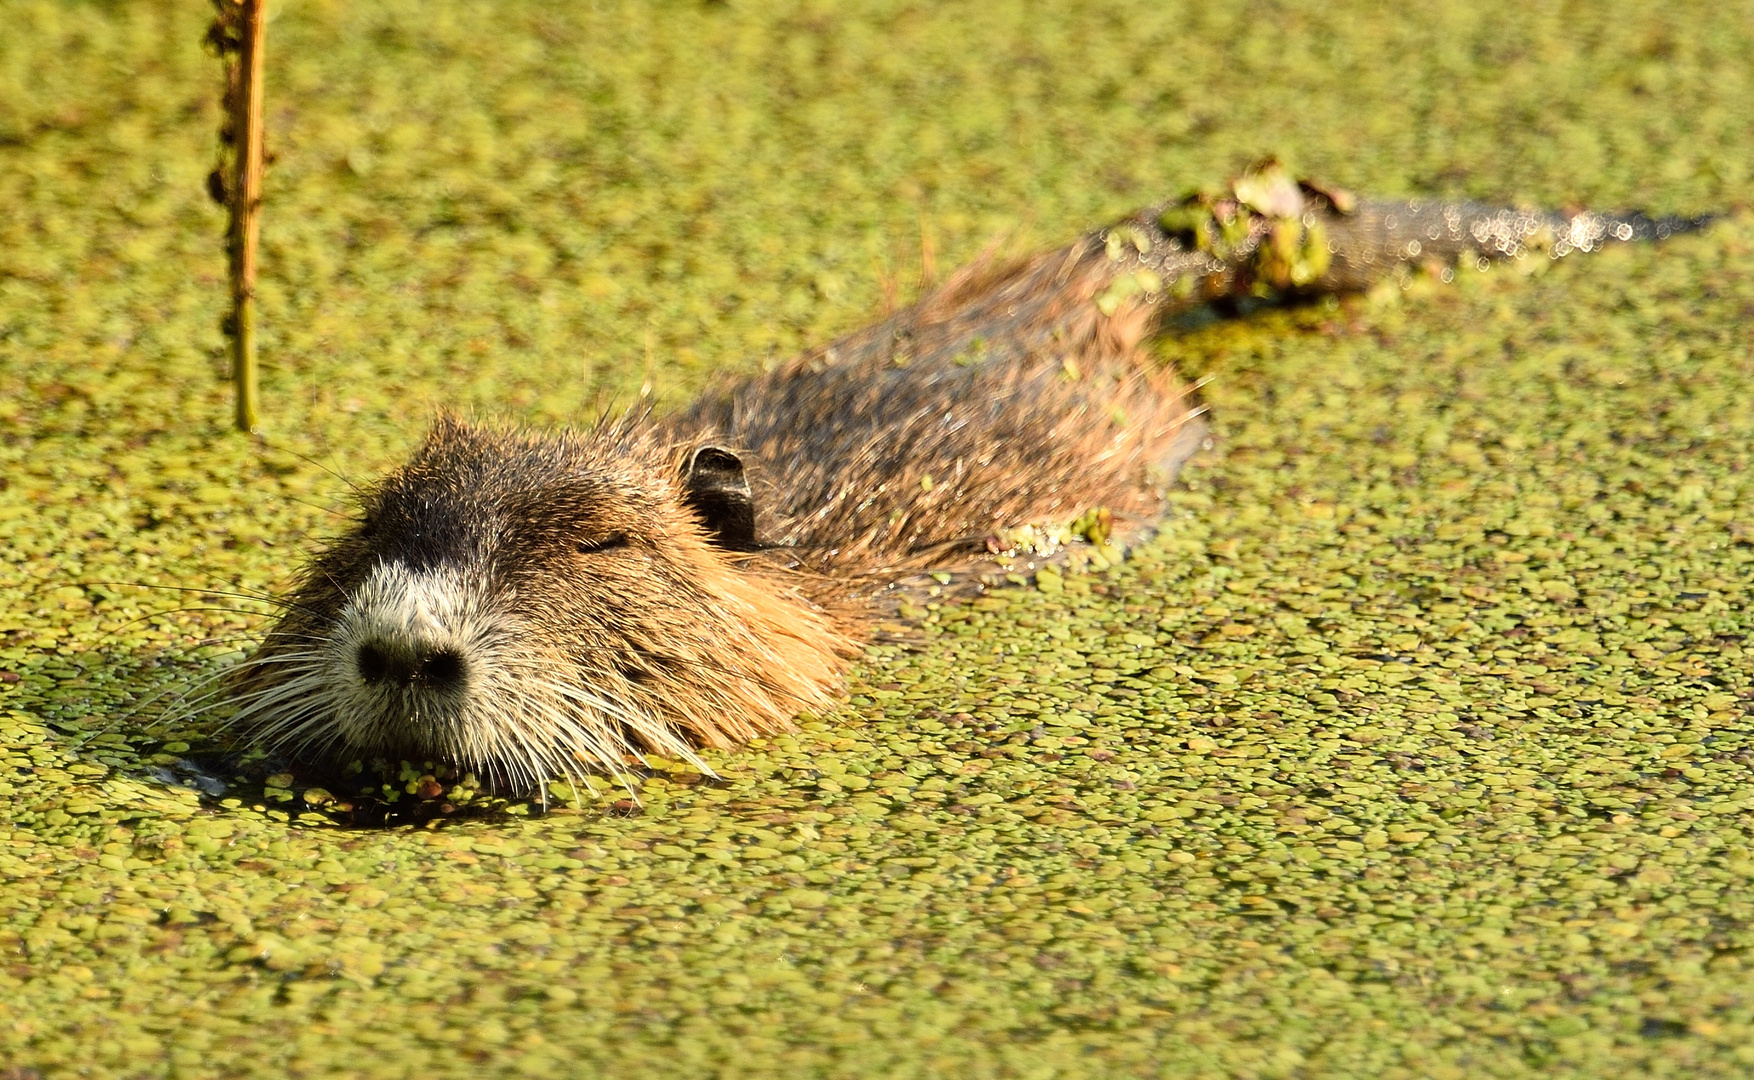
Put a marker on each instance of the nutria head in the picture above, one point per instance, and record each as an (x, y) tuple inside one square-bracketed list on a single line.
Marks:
[(530, 607)]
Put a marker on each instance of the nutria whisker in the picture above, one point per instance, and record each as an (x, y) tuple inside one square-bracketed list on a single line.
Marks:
[(357, 489), (543, 753), (270, 599), (657, 735), (302, 677), (203, 609), (183, 707)]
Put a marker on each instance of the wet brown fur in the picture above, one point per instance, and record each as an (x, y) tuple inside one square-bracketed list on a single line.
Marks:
[(1006, 387)]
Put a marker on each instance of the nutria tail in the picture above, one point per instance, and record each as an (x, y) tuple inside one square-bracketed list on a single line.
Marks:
[(1376, 238)]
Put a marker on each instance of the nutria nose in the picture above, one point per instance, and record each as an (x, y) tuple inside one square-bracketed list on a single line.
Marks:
[(433, 667)]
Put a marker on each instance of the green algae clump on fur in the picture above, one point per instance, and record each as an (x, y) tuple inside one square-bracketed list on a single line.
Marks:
[(1416, 745)]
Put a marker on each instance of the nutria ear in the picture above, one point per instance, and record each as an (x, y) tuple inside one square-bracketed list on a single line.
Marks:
[(714, 486)]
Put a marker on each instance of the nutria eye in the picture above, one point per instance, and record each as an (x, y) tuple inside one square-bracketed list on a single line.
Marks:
[(606, 543)]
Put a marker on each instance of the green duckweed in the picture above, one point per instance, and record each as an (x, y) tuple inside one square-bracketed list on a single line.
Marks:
[(1416, 744)]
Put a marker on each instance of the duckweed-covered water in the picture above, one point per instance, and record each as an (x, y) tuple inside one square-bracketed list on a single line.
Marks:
[(1418, 745)]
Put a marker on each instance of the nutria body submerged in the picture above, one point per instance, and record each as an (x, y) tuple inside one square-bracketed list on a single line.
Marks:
[(531, 606)]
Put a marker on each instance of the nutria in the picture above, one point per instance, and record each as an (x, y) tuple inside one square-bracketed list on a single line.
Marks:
[(531, 606)]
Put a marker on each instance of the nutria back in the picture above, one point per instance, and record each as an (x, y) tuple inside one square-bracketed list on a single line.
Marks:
[(533, 606), (1006, 398)]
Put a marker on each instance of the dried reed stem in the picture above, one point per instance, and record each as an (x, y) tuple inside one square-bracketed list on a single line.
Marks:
[(238, 33)]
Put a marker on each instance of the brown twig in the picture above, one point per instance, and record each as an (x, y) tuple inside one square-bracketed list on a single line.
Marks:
[(237, 33)]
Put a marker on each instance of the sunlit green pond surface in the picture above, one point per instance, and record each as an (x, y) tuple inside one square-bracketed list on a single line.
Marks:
[(1418, 745)]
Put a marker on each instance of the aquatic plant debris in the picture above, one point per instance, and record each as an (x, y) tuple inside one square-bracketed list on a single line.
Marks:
[(1415, 745)]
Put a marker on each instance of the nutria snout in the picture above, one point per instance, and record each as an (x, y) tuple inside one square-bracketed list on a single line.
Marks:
[(532, 606)]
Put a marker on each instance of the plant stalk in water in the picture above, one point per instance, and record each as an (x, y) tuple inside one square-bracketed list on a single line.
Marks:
[(238, 33)]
